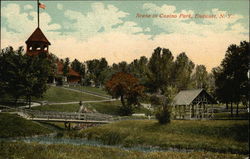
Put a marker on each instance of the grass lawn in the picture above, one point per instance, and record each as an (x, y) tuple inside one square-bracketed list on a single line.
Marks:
[(91, 89), (58, 108), (227, 115), (18, 150), (111, 108), (57, 94), (216, 136), (14, 126)]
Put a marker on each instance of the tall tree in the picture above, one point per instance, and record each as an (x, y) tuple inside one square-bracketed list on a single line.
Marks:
[(139, 69), (235, 65), (183, 68), (160, 66), (223, 90), (23, 75), (232, 78), (78, 67), (96, 70), (66, 66), (200, 77)]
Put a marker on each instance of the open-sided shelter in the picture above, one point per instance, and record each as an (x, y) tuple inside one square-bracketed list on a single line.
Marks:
[(193, 104)]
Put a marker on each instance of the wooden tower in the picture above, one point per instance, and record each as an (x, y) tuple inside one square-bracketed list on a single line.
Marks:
[(37, 43)]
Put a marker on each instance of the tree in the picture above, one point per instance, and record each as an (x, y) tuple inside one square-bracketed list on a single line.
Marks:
[(121, 67), (160, 66), (96, 70), (36, 75), (66, 67), (11, 70), (163, 114), (232, 77), (200, 77), (183, 68), (23, 75), (78, 67), (223, 91), (126, 87), (139, 69)]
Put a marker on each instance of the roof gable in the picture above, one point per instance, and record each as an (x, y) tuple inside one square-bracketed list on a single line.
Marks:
[(186, 97), (37, 36)]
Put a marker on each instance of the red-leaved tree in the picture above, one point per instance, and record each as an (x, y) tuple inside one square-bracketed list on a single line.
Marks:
[(127, 88)]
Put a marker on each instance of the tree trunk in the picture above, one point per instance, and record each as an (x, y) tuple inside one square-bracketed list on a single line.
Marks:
[(29, 102), (16, 102), (237, 109), (231, 109), (122, 100), (227, 105)]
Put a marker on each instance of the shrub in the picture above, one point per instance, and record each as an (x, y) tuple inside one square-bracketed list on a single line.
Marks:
[(126, 110), (163, 115)]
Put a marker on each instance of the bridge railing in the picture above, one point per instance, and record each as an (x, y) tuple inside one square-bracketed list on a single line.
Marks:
[(66, 115)]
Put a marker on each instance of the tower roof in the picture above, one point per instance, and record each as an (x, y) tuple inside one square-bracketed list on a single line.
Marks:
[(37, 36)]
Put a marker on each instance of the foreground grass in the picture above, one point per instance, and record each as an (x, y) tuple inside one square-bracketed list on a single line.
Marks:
[(59, 108), (217, 136), (14, 126), (59, 151), (58, 94)]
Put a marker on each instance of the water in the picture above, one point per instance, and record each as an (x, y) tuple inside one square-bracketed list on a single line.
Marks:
[(77, 141)]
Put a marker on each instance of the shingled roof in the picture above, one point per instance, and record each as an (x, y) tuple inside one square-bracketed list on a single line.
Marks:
[(186, 97), (70, 73), (37, 36)]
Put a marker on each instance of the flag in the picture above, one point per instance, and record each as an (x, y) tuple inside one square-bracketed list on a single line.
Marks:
[(42, 6)]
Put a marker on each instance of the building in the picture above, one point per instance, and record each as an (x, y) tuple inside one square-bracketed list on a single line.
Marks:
[(193, 104), (36, 44)]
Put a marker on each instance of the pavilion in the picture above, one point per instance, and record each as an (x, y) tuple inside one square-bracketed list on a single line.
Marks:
[(193, 104)]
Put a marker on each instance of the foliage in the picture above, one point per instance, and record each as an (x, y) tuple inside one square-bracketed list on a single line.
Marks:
[(78, 67), (23, 75), (200, 77), (163, 115), (231, 77), (125, 86), (160, 66), (96, 69), (14, 126), (65, 68), (183, 68)]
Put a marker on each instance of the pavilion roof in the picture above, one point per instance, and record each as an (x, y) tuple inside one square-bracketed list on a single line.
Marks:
[(37, 36), (186, 97)]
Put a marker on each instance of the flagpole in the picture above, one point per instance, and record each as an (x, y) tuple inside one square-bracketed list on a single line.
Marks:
[(38, 13)]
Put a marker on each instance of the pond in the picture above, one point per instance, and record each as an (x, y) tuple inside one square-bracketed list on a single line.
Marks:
[(52, 139)]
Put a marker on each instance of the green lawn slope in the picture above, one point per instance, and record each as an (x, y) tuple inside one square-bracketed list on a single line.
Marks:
[(58, 94), (15, 126)]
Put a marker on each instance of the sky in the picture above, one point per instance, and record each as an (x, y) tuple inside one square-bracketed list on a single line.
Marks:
[(126, 30)]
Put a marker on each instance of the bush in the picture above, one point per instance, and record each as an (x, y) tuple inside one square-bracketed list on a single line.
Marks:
[(163, 115), (126, 110)]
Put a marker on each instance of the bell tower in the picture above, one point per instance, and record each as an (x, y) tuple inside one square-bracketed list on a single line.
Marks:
[(37, 43)]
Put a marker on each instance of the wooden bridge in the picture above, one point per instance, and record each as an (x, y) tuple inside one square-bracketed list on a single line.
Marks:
[(48, 116)]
